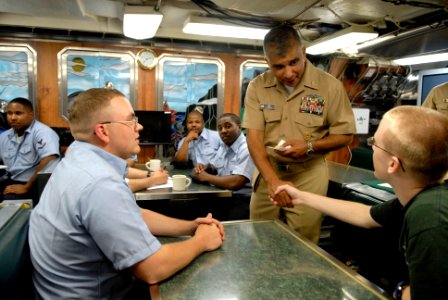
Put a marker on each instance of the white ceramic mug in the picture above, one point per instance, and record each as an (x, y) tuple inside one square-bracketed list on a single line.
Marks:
[(181, 182), (153, 165)]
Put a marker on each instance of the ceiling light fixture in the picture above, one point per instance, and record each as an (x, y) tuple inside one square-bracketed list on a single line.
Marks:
[(353, 49), (344, 38), (215, 27), (141, 22), (422, 59)]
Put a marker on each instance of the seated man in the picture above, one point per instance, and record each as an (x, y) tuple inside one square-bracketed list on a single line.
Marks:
[(88, 238), (411, 154), (200, 144), (26, 148), (231, 168), (232, 162)]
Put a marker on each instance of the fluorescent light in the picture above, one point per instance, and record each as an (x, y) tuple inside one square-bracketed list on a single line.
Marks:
[(356, 47), (215, 27), (342, 39), (141, 22), (422, 59)]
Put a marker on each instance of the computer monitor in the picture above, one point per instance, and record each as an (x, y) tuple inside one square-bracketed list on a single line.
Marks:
[(156, 127), (428, 79)]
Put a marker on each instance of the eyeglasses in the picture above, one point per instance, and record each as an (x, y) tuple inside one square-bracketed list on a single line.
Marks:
[(132, 123), (371, 142)]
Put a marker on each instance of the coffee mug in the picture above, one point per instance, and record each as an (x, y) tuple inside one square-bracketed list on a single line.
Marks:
[(181, 182), (153, 165)]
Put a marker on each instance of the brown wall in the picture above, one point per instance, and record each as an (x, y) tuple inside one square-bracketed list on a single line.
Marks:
[(48, 91), (47, 77), (47, 83)]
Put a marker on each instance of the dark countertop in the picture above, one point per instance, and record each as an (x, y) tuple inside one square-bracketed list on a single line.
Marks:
[(340, 173), (349, 182), (265, 260)]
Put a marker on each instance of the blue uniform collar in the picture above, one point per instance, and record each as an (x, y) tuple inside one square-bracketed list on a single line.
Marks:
[(236, 144), (205, 134), (119, 164)]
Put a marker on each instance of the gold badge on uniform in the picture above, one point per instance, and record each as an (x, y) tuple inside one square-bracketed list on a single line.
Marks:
[(312, 104)]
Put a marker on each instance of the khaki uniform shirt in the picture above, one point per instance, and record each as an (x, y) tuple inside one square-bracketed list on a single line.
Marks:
[(438, 98), (317, 107)]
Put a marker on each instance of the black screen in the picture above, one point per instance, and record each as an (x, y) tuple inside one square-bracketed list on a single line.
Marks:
[(156, 127)]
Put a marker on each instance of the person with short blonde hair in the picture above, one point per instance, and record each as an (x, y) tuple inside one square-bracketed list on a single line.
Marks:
[(411, 154), (88, 238), (87, 109), (427, 157)]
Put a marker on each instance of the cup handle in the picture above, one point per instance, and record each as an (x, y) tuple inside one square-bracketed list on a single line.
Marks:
[(188, 182), (148, 165)]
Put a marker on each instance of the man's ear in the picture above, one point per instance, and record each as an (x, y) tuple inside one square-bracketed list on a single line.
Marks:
[(394, 165), (102, 132)]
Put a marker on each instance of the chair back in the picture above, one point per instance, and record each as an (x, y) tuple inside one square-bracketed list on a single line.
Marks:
[(15, 261)]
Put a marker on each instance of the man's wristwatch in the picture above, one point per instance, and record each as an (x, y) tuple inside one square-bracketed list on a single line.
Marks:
[(398, 293), (310, 150)]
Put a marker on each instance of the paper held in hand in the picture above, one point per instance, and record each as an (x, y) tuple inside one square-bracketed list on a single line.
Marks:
[(280, 146)]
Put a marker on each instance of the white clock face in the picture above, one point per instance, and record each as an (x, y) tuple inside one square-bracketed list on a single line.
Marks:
[(147, 59)]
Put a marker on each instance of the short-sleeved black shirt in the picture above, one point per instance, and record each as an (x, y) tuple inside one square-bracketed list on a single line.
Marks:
[(423, 238)]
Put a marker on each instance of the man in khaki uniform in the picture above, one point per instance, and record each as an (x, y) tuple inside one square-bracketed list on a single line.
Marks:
[(308, 109), (438, 98)]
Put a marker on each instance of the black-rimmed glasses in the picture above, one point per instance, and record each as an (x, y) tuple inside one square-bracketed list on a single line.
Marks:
[(371, 142), (132, 123)]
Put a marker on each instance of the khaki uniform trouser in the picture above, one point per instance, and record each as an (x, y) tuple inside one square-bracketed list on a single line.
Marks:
[(311, 176)]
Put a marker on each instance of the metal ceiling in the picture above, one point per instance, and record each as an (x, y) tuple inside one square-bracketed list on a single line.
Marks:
[(102, 19)]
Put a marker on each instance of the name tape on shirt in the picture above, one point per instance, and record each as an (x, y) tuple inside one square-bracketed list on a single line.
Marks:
[(267, 106)]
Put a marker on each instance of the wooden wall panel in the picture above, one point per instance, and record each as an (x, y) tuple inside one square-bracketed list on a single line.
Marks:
[(47, 82), (47, 78)]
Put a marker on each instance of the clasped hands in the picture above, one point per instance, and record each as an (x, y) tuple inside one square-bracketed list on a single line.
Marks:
[(212, 229), (279, 196), (201, 171)]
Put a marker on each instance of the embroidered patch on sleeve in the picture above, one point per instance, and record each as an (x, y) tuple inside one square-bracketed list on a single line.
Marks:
[(312, 104), (40, 144)]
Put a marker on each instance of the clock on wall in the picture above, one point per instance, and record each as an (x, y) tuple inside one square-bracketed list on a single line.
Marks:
[(146, 59)]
